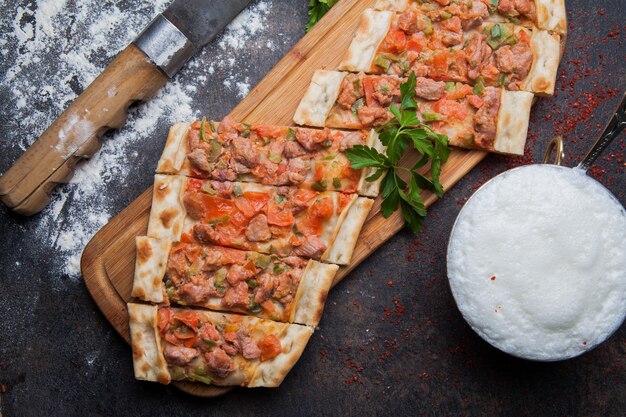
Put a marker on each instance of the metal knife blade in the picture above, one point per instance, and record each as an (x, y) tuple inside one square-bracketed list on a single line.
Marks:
[(183, 28), (202, 20)]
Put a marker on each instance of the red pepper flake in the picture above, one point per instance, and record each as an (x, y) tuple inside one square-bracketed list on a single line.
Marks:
[(3, 388), (493, 278), (390, 283), (601, 12), (424, 376), (323, 352)]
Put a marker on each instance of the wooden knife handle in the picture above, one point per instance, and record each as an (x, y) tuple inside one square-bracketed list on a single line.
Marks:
[(75, 135)]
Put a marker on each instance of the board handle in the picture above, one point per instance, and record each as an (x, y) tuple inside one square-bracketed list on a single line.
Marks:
[(26, 187)]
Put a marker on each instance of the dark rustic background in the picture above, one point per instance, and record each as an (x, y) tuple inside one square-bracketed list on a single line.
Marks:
[(391, 342)]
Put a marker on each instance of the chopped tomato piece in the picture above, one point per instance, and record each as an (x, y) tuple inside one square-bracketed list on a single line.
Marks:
[(239, 220), (416, 43), (268, 307), (163, 318), (490, 73), (194, 184), (172, 339), (460, 91), (189, 317), (279, 216), (440, 65), (322, 208), (257, 200), (270, 347), (342, 201), (310, 225), (395, 41), (319, 173), (475, 101), (270, 131), (523, 37), (211, 207), (302, 197), (450, 108), (368, 86), (186, 238)]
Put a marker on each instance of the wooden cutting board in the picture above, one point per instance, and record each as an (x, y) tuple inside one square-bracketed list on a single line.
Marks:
[(108, 260)]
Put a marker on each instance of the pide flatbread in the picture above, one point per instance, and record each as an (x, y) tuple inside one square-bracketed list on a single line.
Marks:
[(451, 49), (267, 154), (545, 14), (171, 344), (471, 117), (289, 289), (284, 221)]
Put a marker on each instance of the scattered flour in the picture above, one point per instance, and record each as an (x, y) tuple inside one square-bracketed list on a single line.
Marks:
[(82, 37)]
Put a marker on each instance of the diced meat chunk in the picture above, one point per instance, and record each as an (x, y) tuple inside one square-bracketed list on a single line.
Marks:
[(258, 229), (205, 233), (349, 139), (313, 247), (407, 21), (372, 116), (386, 89), (179, 355), (200, 160), (486, 118), (249, 349), (237, 296), (349, 92), (265, 289), (193, 294), (474, 17), (514, 59), (311, 138), (429, 89), (298, 169), (451, 34), (293, 149), (219, 363), (238, 273), (208, 331), (245, 153)]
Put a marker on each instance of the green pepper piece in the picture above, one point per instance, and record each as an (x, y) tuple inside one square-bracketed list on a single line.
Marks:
[(431, 117)]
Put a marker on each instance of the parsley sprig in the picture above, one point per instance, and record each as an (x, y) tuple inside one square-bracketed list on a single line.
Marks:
[(397, 134), (317, 9)]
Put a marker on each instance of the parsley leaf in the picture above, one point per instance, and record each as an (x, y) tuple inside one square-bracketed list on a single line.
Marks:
[(317, 9), (397, 134)]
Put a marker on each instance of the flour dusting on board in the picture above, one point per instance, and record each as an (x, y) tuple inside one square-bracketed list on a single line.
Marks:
[(47, 61)]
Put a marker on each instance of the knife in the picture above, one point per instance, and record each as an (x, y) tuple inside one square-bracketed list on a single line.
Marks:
[(135, 74)]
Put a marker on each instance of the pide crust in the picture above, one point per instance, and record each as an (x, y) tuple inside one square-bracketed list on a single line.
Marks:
[(312, 292), (175, 150), (372, 29), (512, 124), (150, 365), (393, 5), (168, 212), (551, 15), (542, 76), (148, 360), (293, 339), (150, 265), (319, 98), (371, 188), (345, 241)]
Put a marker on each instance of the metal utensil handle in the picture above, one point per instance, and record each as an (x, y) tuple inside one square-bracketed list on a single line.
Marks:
[(555, 144), (613, 129)]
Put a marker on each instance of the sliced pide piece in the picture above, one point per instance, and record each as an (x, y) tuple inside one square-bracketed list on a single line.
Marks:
[(486, 118), (486, 54), (285, 221), (267, 154), (172, 344), (545, 14), (291, 289)]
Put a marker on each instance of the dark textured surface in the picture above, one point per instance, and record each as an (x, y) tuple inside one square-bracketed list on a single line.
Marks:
[(391, 341)]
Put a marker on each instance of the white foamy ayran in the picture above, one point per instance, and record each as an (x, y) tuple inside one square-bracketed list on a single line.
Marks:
[(537, 262)]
